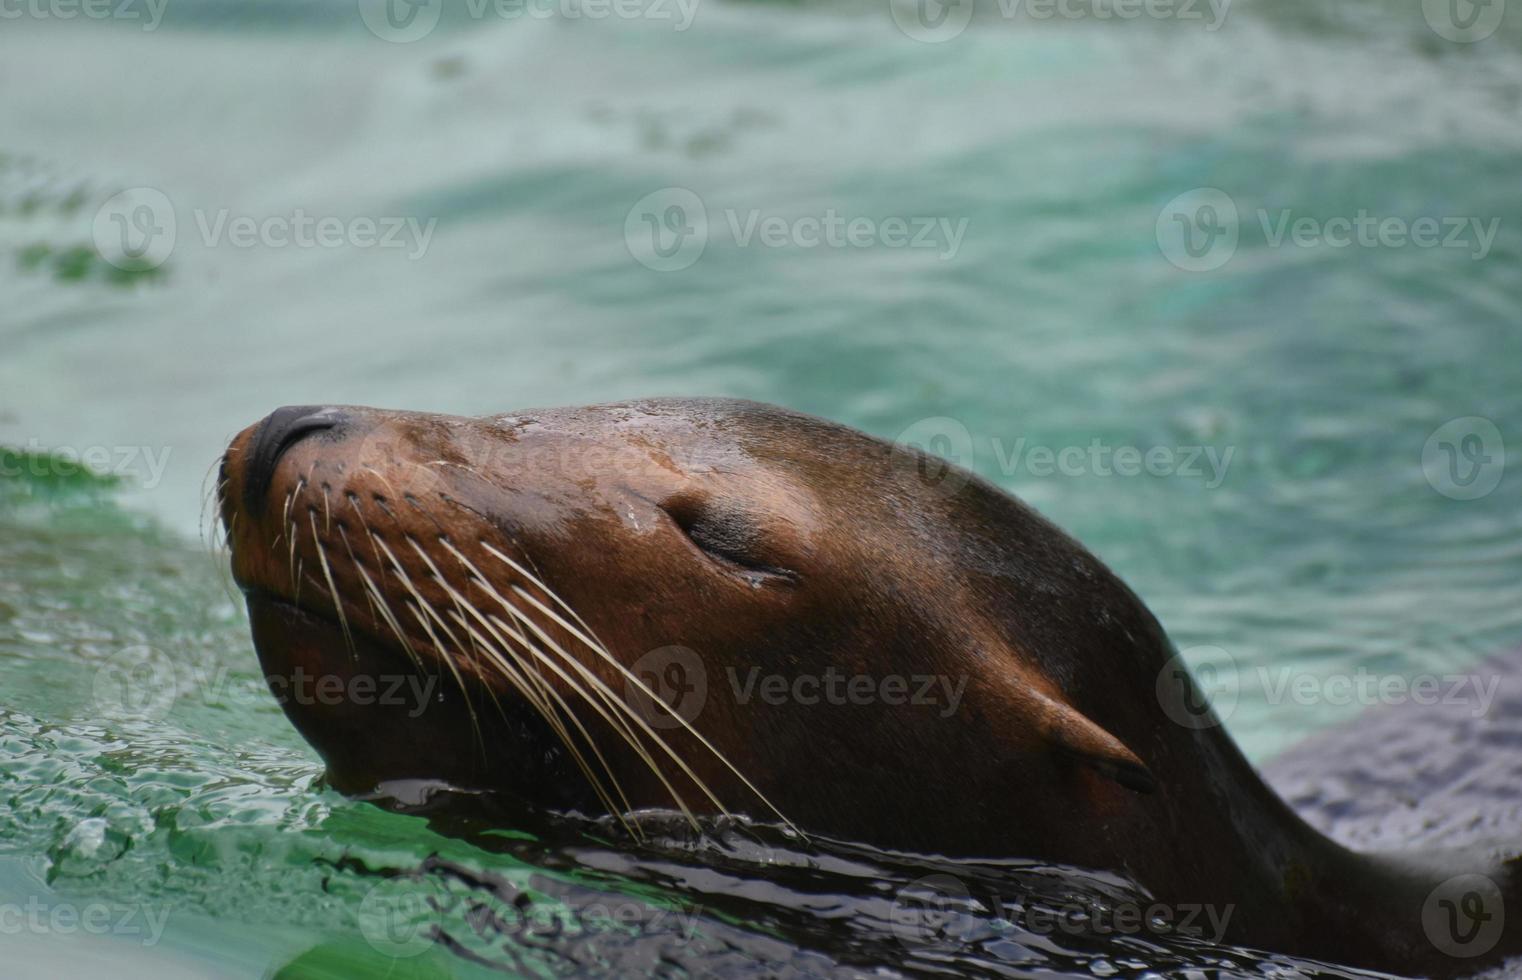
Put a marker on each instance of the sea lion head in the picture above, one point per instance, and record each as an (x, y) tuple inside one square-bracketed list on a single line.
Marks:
[(708, 604)]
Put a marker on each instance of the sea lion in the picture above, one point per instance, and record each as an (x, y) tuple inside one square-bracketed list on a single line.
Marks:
[(613, 607)]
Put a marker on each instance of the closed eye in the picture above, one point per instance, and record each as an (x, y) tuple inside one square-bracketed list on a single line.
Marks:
[(727, 537)]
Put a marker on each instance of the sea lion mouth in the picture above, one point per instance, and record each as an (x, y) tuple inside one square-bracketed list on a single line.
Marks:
[(383, 717)]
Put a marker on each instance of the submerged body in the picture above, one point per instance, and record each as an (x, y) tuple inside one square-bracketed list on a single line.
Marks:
[(614, 606)]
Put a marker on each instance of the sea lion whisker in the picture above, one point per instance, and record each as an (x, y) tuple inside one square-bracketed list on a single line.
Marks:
[(285, 521), (374, 613), (478, 657), (612, 708), (382, 477), (612, 699), (211, 490), (599, 685), (327, 573), (540, 656), (518, 567), (605, 709), (480, 581), (399, 571), (463, 606), (631, 677), (221, 554), (428, 606), (546, 710), (406, 581), (216, 533), (389, 616), (470, 710), (438, 576), (366, 526)]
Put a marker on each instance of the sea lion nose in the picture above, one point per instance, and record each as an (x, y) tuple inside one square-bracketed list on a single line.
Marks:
[(276, 434)]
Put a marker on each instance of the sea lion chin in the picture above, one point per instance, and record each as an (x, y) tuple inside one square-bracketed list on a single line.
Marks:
[(727, 607)]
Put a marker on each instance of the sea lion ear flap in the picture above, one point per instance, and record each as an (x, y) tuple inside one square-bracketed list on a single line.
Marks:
[(1074, 735)]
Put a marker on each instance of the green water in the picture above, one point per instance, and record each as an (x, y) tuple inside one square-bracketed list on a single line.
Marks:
[(1325, 544)]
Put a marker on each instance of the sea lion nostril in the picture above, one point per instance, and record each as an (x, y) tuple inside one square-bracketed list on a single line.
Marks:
[(276, 434)]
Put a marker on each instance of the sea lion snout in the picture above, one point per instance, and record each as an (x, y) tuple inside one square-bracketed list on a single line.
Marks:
[(278, 432)]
